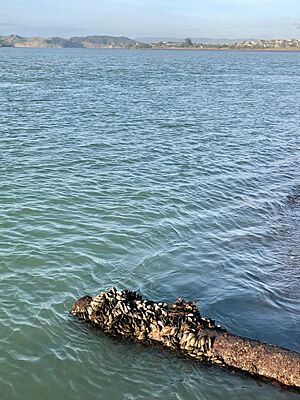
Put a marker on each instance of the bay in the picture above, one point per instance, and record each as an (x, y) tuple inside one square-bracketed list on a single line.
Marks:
[(167, 172)]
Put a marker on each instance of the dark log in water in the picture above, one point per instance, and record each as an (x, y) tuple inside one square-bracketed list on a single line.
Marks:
[(180, 326)]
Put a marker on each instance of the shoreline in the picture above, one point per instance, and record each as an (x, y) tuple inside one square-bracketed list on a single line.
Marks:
[(155, 48), (122, 42), (221, 49), (161, 48)]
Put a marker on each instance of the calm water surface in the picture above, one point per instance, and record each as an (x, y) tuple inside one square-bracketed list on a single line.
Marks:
[(166, 172)]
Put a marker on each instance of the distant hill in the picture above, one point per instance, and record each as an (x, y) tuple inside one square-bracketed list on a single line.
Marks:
[(3, 43), (124, 42), (102, 41), (58, 42)]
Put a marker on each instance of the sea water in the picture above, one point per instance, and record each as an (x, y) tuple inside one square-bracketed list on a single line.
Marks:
[(167, 172)]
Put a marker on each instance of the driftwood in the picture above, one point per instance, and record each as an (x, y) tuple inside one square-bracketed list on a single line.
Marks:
[(180, 326)]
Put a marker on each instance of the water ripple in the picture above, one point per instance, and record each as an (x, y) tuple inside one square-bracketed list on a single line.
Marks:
[(167, 172)]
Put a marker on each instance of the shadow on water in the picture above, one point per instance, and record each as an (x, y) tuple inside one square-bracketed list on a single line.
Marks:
[(137, 350), (290, 230)]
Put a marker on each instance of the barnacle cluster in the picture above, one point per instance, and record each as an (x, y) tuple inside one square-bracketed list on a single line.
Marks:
[(178, 326)]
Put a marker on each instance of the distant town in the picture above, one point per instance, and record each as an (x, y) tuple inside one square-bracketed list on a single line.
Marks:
[(124, 42)]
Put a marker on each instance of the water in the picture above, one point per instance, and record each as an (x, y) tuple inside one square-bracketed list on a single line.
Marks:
[(163, 171)]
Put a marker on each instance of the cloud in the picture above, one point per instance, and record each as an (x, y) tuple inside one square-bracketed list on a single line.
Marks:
[(8, 28), (174, 18)]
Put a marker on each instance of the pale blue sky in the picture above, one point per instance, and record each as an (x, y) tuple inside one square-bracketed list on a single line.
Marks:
[(136, 18)]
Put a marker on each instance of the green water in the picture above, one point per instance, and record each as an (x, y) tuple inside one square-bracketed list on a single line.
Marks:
[(166, 172)]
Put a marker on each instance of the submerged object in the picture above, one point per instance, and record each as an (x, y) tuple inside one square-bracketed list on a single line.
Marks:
[(180, 326), (294, 199)]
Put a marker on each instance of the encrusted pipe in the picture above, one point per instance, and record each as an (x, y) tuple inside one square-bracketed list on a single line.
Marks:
[(180, 326)]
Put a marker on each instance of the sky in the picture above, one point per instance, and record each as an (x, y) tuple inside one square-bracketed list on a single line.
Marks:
[(152, 18)]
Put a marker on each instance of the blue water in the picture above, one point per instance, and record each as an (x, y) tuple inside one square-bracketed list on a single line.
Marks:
[(163, 171)]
